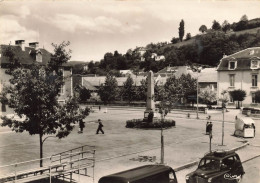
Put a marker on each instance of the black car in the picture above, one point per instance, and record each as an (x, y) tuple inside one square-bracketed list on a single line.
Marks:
[(217, 167)]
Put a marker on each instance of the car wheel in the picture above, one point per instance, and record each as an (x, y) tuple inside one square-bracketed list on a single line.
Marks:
[(239, 178)]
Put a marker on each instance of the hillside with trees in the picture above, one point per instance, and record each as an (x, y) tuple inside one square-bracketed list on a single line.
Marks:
[(206, 48)]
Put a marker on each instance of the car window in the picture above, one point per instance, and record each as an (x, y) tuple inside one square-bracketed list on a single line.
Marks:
[(228, 162), (209, 164)]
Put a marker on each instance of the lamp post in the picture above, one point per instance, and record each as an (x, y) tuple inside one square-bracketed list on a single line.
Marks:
[(197, 98), (223, 127), (162, 147), (198, 71)]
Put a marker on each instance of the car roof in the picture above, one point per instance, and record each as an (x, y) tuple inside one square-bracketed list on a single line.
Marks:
[(220, 154), (136, 173)]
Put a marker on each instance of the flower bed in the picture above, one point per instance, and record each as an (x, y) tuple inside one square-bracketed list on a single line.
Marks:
[(157, 123)]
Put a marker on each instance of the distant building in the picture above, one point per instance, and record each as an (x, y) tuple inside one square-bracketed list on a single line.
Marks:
[(28, 55), (240, 71), (158, 57), (126, 72)]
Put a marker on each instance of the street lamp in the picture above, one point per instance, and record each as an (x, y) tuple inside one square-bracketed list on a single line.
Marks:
[(223, 127), (197, 98), (162, 146), (198, 71)]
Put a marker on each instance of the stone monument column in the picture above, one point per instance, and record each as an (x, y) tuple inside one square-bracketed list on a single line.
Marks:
[(150, 106)]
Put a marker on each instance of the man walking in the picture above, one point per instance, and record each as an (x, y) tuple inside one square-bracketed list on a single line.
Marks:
[(100, 125)]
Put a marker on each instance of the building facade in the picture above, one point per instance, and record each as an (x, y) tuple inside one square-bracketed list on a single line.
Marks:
[(240, 70), (28, 55)]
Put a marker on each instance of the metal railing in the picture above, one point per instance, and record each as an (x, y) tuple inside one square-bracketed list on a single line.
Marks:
[(71, 161)]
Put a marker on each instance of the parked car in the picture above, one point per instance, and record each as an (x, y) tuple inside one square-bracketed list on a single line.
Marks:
[(143, 174), (244, 127), (217, 167)]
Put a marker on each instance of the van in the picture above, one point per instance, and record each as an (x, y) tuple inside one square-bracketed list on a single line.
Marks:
[(143, 174), (244, 127)]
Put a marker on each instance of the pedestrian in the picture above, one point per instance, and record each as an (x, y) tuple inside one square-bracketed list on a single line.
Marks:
[(207, 128), (210, 127), (100, 125), (81, 126), (99, 107)]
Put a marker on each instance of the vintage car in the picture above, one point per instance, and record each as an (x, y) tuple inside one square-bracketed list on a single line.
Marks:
[(143, 174), (217, 167)]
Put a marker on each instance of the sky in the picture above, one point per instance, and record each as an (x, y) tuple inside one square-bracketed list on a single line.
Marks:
[(95, 27)]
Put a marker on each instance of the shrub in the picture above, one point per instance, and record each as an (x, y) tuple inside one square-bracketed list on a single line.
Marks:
[(158, 123)]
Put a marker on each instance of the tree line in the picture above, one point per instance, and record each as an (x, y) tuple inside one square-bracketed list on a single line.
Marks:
[(204, 49)]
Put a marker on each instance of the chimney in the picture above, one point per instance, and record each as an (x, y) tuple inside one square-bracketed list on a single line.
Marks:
[(20, 43), (34, 45)]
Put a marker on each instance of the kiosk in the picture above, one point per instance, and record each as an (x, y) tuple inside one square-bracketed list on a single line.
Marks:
[(244, 127)]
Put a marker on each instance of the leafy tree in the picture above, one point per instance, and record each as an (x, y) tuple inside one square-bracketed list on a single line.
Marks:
[(244, 18), (181, 30), (216, 25), (161, 95), (203, 28), (33, 94), (224, 98), (108, 91), (84, 94), (178, 88), (226, 26), (141, 92), (128, 90), (208, 96), (60, 56), (238, 95), (175, 40), (188, 36)]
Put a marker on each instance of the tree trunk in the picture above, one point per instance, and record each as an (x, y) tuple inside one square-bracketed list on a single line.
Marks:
[(41, 150)]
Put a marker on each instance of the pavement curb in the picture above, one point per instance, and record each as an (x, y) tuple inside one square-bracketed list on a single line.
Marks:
[(196, 162)]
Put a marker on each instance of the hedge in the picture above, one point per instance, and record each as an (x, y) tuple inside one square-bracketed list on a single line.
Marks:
[(157, 123)]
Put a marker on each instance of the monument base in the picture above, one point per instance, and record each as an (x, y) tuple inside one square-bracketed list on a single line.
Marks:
[(151, 118)]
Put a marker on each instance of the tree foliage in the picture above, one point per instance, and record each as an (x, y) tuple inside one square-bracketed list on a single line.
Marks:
[(60, 56), (238, 95), (208, 96), (178, 88), (84, 94), (203, 28), (226, 26), (216, 25), (108, 90), (181, 30), (188, 36), (33, 94), (128, 90)]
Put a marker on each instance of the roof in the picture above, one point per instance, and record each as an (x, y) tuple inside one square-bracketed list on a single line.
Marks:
[(98, 80), (208, 75), (246, 120), (89, 86), (136, 173), (219, 154), (177, 71), (27, 56), (243, 59)]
